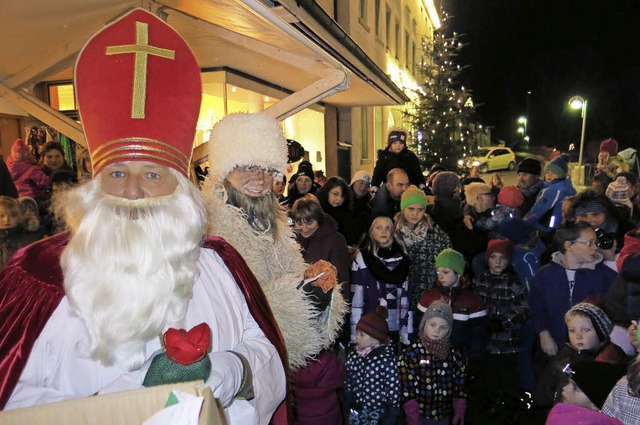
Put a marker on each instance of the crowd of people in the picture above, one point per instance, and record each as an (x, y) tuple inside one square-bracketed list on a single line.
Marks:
[(390, 298)]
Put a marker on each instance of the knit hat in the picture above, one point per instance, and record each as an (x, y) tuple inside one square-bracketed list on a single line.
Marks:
[(596, 379), (438, 308), (601, 322), (559, 165), (530, 165), (511, 196), (610, 146), (503, 246), (451, 259), (375, 324), (20, 151), (243, 140), (516, 230), (360, 175), (397, 135), (592, 206), (304, 169), (445, 184), (619, 190), (413, 196)]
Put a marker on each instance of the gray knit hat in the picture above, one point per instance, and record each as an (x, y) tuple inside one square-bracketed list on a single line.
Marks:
[(445, 183), (601, 322), (440, 309)]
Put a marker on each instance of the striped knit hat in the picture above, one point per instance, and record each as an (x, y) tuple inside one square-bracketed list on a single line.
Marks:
[(601, 322)]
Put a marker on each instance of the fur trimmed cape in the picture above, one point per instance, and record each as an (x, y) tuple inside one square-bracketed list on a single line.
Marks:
[(279, 267)]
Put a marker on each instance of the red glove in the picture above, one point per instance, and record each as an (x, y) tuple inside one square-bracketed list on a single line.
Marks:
[(459, 409), (412, 412)]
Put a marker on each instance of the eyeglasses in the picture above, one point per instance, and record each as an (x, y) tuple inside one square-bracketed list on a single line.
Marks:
[(587, 243)]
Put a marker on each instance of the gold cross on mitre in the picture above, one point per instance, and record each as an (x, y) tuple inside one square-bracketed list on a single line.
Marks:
[(142, 50)]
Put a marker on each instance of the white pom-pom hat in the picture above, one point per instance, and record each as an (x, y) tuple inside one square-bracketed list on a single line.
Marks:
[(246, 139)]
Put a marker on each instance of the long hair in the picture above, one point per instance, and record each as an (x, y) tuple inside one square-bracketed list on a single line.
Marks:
[(130, 266), (373, 246)]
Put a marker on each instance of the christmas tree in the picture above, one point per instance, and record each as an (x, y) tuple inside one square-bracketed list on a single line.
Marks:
[(441, 110)]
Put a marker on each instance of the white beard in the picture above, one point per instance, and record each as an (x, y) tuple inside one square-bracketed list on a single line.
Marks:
[(130, 266)]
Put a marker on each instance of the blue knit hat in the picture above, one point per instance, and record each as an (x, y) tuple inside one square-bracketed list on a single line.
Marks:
[(559, 165)]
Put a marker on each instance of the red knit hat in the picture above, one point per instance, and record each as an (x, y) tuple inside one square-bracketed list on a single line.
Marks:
[(503, 246), (375, 324), (610, 146), (511, 196), (20, 151), (139, 93)]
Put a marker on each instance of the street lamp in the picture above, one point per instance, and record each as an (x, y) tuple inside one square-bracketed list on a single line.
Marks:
[(577, 102)]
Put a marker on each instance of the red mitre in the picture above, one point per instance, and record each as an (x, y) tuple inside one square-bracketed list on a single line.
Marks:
[(139, 93)]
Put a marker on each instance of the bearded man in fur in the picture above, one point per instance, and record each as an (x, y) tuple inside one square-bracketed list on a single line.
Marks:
[(246, 152), (82, 312)]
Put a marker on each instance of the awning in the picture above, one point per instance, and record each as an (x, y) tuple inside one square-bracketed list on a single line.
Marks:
[(40, 39)]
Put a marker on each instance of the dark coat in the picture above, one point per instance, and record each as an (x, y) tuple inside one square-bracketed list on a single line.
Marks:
[(405, 159), (7, 188)]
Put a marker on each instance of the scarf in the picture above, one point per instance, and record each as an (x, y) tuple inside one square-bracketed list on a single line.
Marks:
[(379, 269), (440, 348)]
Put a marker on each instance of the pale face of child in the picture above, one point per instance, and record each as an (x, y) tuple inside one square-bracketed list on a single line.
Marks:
[(414, 213), (364, 340), (572, 394), (396, 147), (278, 187), (382, 231), (582, 335), (7, 219), (436, 329), (336, 197), (447, 277), (498, 262)]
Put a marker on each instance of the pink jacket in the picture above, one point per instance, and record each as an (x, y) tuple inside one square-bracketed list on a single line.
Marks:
[(29, 178)]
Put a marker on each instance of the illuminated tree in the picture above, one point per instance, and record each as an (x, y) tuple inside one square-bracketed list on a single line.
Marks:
[(441, 110)]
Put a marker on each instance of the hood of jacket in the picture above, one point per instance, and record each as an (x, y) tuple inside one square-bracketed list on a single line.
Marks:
[(558, 256)]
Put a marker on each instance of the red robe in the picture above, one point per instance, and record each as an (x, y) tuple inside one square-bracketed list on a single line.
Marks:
[(31, 287)]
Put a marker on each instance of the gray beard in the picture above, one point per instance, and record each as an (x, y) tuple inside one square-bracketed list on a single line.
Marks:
[(262, 212)]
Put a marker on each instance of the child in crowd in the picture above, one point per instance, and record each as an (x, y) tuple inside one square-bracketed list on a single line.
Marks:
[(470, 320), (588, 329), (509, 198), (335, 199), (506, 301), (379, 275), (396, 155), (423, 239), (623, 401), (433, 372), (372, 384), (496, 183), (582, 393), (17, 230)]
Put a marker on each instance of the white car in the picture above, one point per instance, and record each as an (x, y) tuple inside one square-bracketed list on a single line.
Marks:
[(491, 158)]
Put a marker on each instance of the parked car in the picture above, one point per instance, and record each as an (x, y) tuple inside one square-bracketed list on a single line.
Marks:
[(491, 158)]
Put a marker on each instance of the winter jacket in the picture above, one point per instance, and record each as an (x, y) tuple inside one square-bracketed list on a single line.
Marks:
[(546, 213), (469, 316), (432, 382), (351, 226), (447, 213), (563, 414), (423, 246), (526, 261), (7, 187), (316, 389), (506, 301), (15, 238), (370, 288), (530, 195), (329, 245), (551, 295), (405, 159), (372, 387), (29, 178), (631, 246)]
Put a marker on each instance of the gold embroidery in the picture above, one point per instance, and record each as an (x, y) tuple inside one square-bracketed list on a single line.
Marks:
[(141, 50)]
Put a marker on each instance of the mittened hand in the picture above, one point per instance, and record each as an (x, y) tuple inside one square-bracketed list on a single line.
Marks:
[(186, 347)]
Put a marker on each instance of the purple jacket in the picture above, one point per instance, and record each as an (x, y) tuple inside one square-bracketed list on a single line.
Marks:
[(29, 178)]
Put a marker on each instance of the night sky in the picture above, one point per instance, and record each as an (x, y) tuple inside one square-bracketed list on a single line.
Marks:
[(555, 49)]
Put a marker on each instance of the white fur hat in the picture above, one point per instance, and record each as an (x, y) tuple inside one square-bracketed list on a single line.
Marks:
[(245, 139)]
